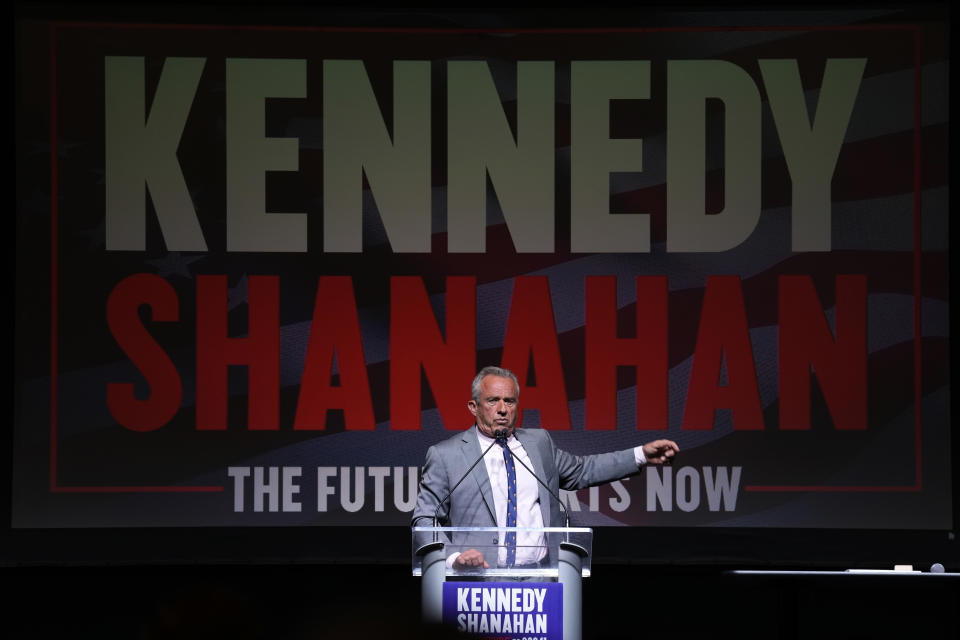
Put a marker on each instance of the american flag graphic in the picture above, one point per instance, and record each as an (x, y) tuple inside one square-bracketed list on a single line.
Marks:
[(76, 465)]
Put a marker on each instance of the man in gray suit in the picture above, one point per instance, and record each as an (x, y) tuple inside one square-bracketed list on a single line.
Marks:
[(498, 495)]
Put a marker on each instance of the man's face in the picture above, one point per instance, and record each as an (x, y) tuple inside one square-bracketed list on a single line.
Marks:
[(496, 408)]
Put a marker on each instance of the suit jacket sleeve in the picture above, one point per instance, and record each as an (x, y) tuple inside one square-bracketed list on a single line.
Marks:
[(434, 486), (465, 509), (577, 472)]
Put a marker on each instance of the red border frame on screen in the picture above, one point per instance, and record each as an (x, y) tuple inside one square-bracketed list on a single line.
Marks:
[(917, 184)]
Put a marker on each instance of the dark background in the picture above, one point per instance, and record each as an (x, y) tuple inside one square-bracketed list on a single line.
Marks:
[(331, 582)]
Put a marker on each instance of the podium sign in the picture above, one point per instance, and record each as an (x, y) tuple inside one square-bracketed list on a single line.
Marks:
[(476, 599), (505, 610)]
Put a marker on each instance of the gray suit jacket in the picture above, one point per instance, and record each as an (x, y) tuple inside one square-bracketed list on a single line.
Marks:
[(471, 505)]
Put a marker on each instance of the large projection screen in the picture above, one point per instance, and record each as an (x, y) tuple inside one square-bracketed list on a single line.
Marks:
[(258, 266)]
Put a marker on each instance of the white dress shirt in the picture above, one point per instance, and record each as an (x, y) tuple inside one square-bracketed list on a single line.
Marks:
[(531, 547)]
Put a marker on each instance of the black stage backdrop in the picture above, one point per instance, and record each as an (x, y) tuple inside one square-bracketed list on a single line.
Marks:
[(260, 253)]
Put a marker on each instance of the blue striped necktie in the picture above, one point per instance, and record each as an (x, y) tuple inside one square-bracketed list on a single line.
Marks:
[(510, 540)]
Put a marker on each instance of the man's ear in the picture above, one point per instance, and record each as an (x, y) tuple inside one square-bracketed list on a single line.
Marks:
[(472, 407)]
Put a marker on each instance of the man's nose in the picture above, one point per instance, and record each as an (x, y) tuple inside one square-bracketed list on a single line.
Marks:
[(501, 407)]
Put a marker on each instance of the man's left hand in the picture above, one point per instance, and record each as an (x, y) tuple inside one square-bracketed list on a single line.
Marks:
[(660, 451)]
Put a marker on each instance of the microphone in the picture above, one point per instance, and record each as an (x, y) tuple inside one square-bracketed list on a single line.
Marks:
[(543, 484), (498, 435)]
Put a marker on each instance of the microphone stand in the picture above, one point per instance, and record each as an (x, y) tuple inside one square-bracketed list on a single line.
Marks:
[(542, 484), (498, 434)]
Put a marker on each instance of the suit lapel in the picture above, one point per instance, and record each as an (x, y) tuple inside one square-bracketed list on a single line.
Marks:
[(470, 450), (536, 461)]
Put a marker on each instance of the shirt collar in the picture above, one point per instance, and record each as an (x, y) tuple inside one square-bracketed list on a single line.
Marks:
[(486, 441)]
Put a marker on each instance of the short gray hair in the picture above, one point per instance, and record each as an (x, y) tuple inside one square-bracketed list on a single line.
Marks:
[(491, 371)]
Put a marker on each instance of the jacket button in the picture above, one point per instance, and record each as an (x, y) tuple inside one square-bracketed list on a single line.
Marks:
[(495, 541)]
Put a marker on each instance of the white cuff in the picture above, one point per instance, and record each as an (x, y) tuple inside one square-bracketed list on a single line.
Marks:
[(638, 456), (451, 559)]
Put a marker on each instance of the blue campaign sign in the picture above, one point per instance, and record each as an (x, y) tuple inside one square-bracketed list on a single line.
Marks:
[(505, 610)]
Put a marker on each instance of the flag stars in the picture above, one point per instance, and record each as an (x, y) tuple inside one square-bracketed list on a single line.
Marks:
[(174, 264)]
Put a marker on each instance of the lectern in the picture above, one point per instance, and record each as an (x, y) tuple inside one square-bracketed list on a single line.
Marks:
[(538, 596)]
